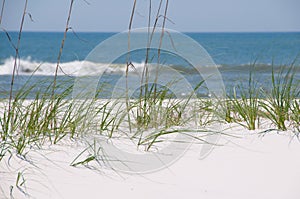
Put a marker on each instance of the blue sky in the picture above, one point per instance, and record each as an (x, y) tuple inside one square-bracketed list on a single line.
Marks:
[(187, 15)]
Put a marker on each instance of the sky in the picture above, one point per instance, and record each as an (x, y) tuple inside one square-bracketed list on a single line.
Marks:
[(183, 15)]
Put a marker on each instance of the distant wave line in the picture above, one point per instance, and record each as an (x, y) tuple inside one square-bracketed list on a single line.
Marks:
[(73, 68)]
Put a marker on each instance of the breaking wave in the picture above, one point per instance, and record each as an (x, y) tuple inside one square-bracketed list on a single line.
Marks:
[(82, 68), (73, 68)]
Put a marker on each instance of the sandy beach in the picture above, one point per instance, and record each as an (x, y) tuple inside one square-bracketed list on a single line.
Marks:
[(244, 164)]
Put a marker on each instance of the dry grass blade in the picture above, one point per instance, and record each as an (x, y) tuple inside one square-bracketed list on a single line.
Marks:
[(15, 62), (9, 38), (160, 42), (61, 47), (128, 61), (2, 11)]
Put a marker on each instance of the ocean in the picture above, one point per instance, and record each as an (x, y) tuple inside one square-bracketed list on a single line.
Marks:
[(233, 53)]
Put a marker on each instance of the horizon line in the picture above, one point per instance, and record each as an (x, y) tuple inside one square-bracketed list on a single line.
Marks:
[(58, 31)]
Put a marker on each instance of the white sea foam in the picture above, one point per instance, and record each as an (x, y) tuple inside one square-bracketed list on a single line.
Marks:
[(28, 66), (73, 68)]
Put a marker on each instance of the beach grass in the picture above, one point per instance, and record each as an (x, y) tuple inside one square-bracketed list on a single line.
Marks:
[(278, 101), (295, 116), (245, 106), (44, 119)]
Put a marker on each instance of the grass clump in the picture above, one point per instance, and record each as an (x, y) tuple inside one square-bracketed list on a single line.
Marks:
[(157, 108), (110, 116), (205, 111), (246, 106), (42, 119), (295, 115), (277, 104)]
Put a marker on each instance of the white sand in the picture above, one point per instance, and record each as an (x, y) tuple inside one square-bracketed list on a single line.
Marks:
[(251, 166)]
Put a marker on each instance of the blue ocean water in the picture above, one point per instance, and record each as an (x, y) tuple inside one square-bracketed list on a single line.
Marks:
[(234, 53), (231, 49)]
